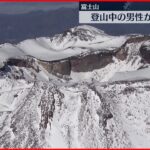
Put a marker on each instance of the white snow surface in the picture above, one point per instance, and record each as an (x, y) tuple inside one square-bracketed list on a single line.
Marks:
[(142, 74), (130, 107), (8, 51), (78, 118), (10, 92)]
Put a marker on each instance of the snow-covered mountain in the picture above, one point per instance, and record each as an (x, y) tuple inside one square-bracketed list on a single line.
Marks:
[(73, 42), (81, 89)]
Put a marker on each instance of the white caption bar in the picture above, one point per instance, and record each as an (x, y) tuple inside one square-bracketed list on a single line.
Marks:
[(114, 17)]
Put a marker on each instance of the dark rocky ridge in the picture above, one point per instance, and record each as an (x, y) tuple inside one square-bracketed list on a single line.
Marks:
[(91, 61), (28, 63), (145, 53), (122, 52), (62, 67), (137, 39), (83, 63), (78, 63), (20, 62)]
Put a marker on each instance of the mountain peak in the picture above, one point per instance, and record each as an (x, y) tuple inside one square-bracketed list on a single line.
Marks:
[(87, 29), (79, 34), (83, 31)]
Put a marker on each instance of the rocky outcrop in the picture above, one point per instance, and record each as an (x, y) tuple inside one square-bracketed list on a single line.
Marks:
[(91, 62), (57, 67), (28, 63), (122, 52), (145, 52), (20, 62), (137, 39), (82, 63), (79, 63)]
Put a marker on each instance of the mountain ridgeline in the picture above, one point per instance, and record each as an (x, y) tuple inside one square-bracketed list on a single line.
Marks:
[(85, 61)]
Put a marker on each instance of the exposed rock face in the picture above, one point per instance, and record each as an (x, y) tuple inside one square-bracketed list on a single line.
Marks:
[(91, 62), (61, 67), (137, 39), (122, 52), (64, 67), (28, 63), (145, 52), (20, 62), (79, 63)]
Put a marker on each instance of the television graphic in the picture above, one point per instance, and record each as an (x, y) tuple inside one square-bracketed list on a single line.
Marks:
[(74, 74)]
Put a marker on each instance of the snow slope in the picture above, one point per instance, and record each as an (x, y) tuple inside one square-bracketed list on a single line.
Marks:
[(129, 103), (63, 46), (10, 51), (142, 74), (57, 115), (10, 92)]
